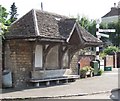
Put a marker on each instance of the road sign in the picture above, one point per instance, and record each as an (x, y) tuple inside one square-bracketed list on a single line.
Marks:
[(106, 30), (104, 35)]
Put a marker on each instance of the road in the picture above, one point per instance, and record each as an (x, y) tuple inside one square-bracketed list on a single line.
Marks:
[(108, 95), (89, 86)]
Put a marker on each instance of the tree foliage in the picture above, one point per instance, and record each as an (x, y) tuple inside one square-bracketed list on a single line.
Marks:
[(115, 36), (111, 49), (90, 26), (3, 15), (4, 20), (13, 12)]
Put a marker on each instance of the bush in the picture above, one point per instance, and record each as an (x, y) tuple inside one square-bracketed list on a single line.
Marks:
[(84, 70), (111, 49), (100, 72)]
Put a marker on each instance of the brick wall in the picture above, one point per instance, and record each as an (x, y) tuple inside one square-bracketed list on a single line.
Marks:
[(109, 61), (85, 60), (0, 62), (18, 58)]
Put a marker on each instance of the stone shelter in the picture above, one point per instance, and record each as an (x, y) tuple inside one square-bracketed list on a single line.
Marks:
[(41, 45)]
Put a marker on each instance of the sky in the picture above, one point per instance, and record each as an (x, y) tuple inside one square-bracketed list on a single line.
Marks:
[(92, 9)]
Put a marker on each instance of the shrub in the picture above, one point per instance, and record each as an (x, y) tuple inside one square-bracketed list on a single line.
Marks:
[(84, 70), (111, 49), (100, 72)]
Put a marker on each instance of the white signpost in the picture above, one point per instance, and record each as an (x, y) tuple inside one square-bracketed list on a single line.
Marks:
[(101, 34), (106, 30)]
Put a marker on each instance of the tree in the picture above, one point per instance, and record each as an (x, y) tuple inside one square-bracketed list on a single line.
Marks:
[(3, 15), (13, 13), (111, 49), (118, 33), (92, 27), (113, 37), (84, 22), (89, 25), (3, 20)]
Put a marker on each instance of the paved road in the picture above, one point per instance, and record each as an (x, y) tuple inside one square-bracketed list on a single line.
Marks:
[(107, 95), (98, 84)]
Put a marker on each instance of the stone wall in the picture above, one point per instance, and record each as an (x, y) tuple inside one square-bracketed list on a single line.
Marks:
[(73, 64), (0, 61), (18, 59)]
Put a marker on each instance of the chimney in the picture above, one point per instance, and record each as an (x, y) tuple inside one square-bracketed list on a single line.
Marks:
[(41, 6), (114, 5), (119, 4)]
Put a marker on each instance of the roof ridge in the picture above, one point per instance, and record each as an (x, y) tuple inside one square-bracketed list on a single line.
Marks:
[(35, 22), (53, 14), (113, 12)]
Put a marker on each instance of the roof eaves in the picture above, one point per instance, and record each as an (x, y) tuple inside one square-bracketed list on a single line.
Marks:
[(87, 41)]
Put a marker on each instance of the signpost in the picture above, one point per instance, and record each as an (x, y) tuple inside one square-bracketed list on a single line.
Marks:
[(106, 30), (101, 34)]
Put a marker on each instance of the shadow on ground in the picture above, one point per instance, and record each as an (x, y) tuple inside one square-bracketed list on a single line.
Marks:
[(12, 89)]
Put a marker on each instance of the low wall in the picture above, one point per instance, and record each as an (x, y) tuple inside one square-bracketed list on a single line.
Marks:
[(109, 61)]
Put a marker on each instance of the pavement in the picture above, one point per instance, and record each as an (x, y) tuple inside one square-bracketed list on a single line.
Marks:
[(93, 85)]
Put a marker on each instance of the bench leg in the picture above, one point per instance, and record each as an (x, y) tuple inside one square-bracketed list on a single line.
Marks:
[(66, 80), (57, 82), (47, 83), (37, 84)]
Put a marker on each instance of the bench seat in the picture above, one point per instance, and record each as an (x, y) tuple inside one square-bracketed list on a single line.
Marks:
[(57, 79)]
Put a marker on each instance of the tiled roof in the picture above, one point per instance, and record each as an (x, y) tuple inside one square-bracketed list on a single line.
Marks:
[(87, 37), (42, 24), (23, 27), (114, 12)]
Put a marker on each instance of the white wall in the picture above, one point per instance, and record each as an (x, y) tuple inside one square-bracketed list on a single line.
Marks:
[(65, 60), (39, 56), (110, 19)]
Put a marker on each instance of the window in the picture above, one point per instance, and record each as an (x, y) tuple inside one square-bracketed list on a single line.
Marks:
[(38, 56)]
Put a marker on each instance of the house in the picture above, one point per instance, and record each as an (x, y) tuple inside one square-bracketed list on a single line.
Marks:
[(113, 15), (41, 45)]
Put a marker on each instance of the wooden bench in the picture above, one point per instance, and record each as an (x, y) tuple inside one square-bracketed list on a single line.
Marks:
[(56, 79)]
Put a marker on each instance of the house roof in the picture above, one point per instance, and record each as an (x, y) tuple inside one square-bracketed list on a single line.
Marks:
[(41, 24), (115, 11)]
